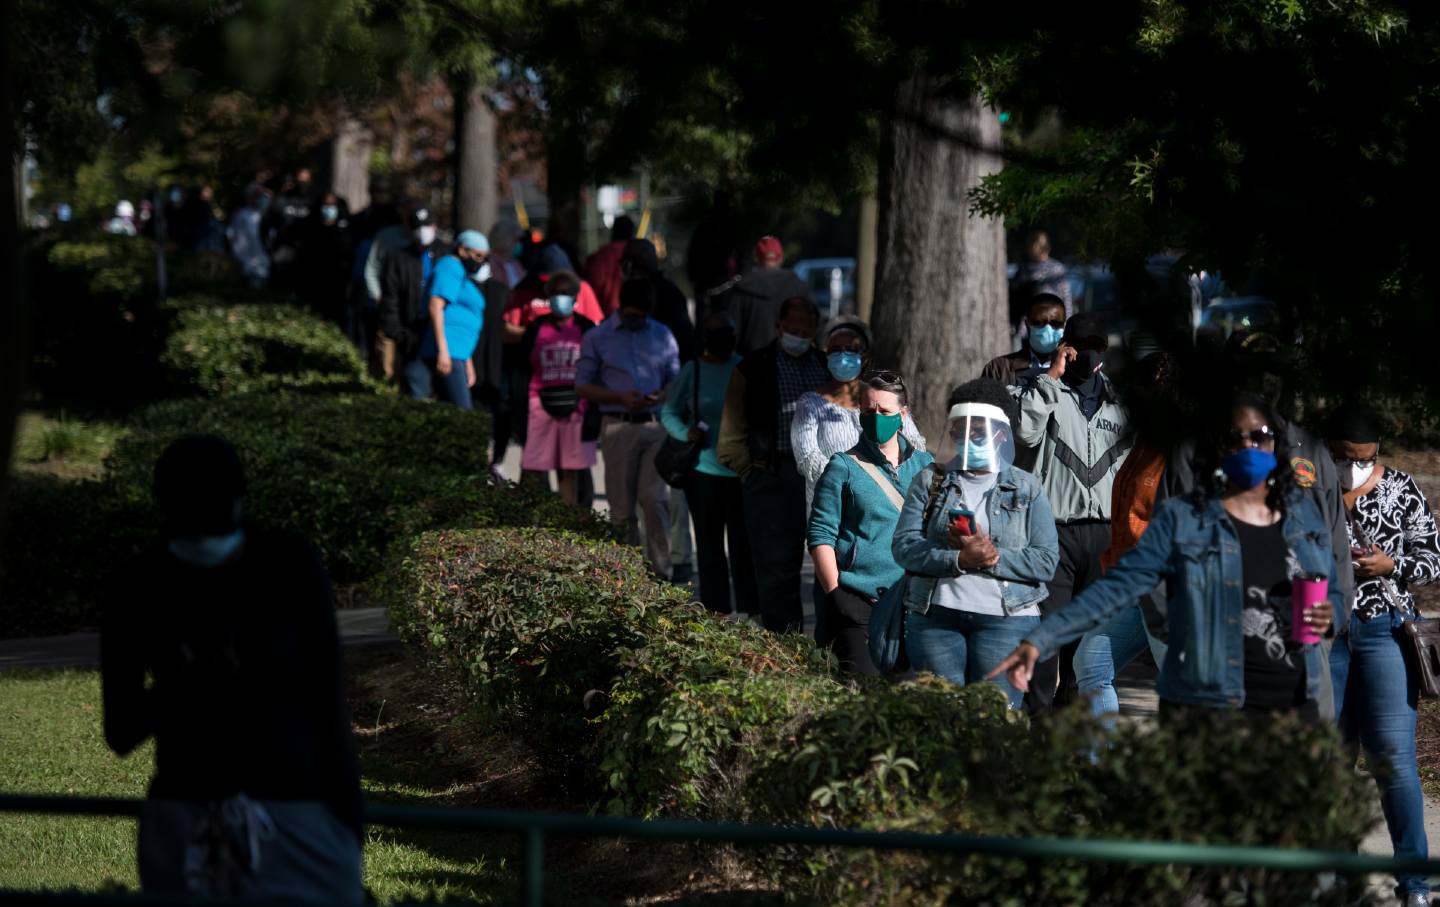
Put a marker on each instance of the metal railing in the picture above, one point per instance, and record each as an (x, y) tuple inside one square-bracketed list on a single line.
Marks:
[(532, 827)]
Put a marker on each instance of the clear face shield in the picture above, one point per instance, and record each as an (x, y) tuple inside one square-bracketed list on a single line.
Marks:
[(983, 438)]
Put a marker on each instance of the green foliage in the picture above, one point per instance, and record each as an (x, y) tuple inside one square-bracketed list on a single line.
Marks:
[(65, 539), (352, 472), (714, 719), (64, 439), (119, 268), (218, 349)]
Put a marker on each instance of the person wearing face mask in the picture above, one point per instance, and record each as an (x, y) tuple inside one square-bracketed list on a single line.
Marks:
[(827, 420), (1394, 547), (1072, 417), (246, 243), (551, 346), (404, 311), (415, 229), (1045, 321), (1229, 553), (857, 504), (713, 493), (754, 441), (219, 641), (627, 366), (324, 269), (1258, 363), (977, 538), (457, 316)]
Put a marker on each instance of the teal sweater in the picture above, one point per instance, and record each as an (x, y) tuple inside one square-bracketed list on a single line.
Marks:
[(856, 518), (680, 399)]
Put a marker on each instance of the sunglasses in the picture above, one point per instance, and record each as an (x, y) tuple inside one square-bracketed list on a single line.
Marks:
[(1345, 463), (1057, 324), (1257, 437)]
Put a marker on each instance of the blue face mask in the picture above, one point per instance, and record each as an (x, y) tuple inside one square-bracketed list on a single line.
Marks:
[(330, 213), (562, 306), (844, 365), (1248, 467), (793, 344), (209, 550), (977, 455), (1045, 339)]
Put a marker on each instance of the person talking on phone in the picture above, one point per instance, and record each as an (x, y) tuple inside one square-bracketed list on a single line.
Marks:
[(626, 366), (1072, 417), (977, 540), (714, 492), (1394, 547), (1233, 553)]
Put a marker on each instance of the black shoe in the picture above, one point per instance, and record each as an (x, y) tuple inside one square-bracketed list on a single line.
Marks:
[(682, 574)]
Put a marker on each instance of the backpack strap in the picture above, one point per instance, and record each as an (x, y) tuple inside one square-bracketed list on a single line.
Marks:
[(879, 478)]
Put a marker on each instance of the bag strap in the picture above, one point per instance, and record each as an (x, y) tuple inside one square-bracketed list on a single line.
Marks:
[(879, 478), (695, 406), (932, 502)]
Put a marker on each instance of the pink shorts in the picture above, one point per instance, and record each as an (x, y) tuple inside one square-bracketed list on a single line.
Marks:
[(552, 443)]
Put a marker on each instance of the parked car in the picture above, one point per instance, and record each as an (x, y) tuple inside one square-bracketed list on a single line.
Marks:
[(831, 282), (1235, 313)]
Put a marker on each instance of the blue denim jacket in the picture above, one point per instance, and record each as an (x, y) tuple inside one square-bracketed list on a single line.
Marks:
[(1198, 552), (1021, 526)]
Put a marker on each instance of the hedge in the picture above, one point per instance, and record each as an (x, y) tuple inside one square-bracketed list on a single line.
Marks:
[(216, 348), (658, 708), (354, 473)]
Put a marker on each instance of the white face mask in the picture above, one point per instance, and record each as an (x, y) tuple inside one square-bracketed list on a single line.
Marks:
[(425, 235), (1353, 476), (483, 274)]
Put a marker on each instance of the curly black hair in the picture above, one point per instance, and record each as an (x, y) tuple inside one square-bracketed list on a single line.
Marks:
[(1210, 481), (986, 390)]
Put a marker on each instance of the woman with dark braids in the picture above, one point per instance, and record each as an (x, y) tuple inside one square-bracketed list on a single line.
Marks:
[(1230, 551)]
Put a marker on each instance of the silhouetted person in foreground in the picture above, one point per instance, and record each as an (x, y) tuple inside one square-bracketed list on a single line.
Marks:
[(256, 791)]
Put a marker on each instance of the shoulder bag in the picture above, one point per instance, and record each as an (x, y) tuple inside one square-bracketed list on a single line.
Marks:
[(675, 461), (887, 618)]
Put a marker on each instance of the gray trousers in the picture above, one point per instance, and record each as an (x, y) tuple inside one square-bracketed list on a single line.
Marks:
[(630, 480), (282, 850)]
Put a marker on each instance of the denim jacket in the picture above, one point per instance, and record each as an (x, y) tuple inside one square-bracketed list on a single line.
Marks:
[(1021, 526), (1199, 553)]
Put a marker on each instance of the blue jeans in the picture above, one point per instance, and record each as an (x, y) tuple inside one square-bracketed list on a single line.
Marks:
[(421, 380), (963, 647), (1103, 653), (1375, 697)]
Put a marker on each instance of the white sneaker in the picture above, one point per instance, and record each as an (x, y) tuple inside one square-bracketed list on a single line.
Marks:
[(497, 474)]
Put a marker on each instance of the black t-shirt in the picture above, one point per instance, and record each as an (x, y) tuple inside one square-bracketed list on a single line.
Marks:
[(1274, 666)]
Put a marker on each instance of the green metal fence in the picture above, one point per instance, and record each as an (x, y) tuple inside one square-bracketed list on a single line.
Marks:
[(532, 827)]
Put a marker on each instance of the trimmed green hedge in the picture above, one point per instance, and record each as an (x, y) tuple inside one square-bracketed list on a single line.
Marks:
[(660, 708), (354, 473), (217, 348)]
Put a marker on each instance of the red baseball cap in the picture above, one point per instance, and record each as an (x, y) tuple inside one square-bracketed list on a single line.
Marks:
[(769, 249)]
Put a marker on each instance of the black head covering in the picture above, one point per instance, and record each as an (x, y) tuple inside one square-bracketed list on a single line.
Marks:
[(198, 479), (1353, 422)]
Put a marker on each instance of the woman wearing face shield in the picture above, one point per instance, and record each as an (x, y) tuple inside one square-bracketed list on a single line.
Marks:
[(977, 540), (1394, 547)]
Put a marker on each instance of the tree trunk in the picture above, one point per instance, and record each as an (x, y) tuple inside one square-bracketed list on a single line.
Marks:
[(865, 256), (350, 163), (14, 298), (940, 308), (565, 166), (477, 200)]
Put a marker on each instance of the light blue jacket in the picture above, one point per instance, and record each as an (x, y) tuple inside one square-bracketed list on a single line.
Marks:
[(1021, 526), (1198, 552)]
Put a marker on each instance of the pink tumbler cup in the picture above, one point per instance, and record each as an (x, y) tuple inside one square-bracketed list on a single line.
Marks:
[(1305, 593)]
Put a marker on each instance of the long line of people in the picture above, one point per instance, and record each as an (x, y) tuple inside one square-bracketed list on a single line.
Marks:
[(1074, 528)]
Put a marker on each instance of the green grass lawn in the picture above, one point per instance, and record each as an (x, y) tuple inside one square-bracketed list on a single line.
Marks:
[(51, 743)]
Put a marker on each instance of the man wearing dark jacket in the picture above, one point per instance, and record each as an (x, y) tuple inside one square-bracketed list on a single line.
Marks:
[(755, 443), (404, 293), (753, 303), (672, 309)]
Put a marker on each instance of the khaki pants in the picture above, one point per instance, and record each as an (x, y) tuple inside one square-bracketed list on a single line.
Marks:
[(382, 357), (630, 478)]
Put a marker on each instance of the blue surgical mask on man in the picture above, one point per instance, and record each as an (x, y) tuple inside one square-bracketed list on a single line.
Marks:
[(977, 455), (844, 365), (1045, 339), (208, 550), (794, 344), (330, 213)]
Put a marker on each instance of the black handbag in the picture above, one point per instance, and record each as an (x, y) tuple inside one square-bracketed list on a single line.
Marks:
[(560, 402), (675, 461), (1423, 652)]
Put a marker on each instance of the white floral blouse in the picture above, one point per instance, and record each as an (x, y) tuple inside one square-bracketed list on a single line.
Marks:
[(1395, 515)]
